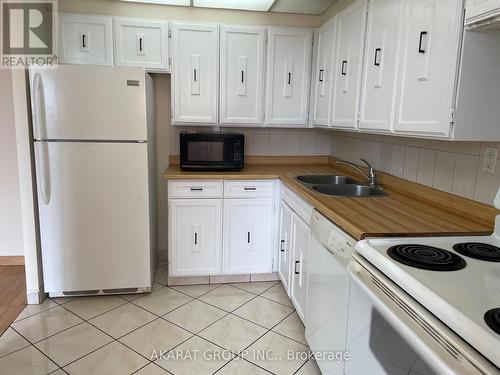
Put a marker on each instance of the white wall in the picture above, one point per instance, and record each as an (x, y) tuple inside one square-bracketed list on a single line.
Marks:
[(454, 167), (11, 237)]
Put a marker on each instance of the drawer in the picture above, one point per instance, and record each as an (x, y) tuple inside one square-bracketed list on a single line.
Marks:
[(297, 204), (248, 189), (194, 189)]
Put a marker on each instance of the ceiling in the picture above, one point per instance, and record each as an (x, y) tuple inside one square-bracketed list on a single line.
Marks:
[(312, 7)]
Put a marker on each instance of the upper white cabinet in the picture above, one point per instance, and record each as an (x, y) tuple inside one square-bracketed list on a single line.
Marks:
[(384, 24), (288, 76), (348, 64), (428, 67), (85, 39), (242, 75), (141, 43), (479, 11), (324, 74), (195, 72)]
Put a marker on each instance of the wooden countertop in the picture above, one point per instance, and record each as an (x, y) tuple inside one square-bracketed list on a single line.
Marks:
[(410, 209)]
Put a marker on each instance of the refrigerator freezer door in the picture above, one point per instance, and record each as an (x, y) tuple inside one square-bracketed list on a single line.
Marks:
[(94, 215), (90, 103)]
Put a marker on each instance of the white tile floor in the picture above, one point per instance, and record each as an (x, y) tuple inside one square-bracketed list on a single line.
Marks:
[(202, 329)]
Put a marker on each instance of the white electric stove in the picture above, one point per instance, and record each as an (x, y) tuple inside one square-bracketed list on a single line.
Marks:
[(441, 293)]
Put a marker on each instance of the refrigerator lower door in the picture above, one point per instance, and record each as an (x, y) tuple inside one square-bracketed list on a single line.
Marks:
[(94, 215)]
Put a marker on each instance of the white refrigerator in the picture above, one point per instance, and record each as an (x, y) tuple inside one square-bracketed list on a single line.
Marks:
[(93, 132)]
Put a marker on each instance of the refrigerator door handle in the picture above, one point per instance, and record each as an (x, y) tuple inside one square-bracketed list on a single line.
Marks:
[(43, 175), (38, 110)]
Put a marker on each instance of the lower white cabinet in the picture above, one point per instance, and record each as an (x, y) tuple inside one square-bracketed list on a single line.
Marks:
[(295, 237), (285, 249), (300, 258), (247, 236), (195, 237), (220, 227)]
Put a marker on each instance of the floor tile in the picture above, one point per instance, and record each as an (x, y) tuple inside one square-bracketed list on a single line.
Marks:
[(255, 288), (114, 358), (233, 333), (264, 312), (278, 361), (152, 369), (198, 358), (227, 297), (89, 307), (122, 320), (62, 300), (40, 326), (278, 294), (76, 342), (195, 315), (59, 372), (239, 366), (195, 290), (11, 341), (162, 301), (27, 361), (30, 310), (156, 336), (310, 368), (292, 327)]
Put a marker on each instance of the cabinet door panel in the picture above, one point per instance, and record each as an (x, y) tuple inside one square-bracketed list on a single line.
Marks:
[(288, 76), (195, 73), (381, 62), (285, 250), (85, 39), (348, 64), (195, 231), (141, 43), (478, 10), (299, 267), (242, 75), (428, 66), (323, 75), (247, 235)]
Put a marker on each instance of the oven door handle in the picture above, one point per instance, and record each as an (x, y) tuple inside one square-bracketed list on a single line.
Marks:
[(439, 346)]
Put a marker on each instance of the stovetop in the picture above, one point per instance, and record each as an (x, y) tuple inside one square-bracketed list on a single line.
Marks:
[(465, 296)]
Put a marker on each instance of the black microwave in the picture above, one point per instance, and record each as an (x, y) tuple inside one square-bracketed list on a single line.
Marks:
[(212, 151)]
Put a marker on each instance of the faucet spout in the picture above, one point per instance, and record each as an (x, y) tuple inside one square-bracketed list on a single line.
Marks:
[(370, 176)]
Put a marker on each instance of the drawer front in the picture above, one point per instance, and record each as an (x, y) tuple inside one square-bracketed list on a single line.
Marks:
[(299, 206), (194, 189), (248, 189)]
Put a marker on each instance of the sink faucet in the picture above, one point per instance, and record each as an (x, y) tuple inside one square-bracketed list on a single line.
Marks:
[(370, 176)]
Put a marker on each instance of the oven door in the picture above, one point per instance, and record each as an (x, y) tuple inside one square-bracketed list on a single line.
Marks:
[(390, 333)]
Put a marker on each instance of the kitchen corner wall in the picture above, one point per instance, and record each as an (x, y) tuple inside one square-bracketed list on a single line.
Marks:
[(258, 142), (454, 167), (11, 236)]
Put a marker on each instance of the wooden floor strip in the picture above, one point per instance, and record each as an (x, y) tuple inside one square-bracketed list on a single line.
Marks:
[(12, 294)]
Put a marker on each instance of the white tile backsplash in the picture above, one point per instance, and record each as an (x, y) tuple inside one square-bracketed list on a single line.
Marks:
[(454, 167)]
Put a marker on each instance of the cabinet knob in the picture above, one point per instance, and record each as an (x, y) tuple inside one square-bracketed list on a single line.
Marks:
[(296, 264)]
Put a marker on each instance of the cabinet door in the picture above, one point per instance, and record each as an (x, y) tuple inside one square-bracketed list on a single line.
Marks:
[(141, 43), (323, 75), (85, 39), (288, 76), (348, 64), (380, 66), (300, 259), (195, 73), (194, 233), (242, 75), (285, 253), (247, 235), (428, 66), (477, 10)]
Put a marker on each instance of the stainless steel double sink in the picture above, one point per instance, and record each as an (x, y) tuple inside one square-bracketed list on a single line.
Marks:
[(340, 186)]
